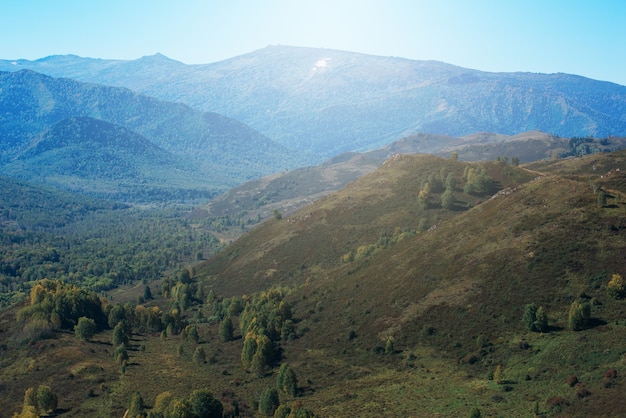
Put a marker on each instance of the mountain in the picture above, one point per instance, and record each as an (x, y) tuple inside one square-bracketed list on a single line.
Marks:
[(222, 151), (108, 161), (368, 265), (328, 102)]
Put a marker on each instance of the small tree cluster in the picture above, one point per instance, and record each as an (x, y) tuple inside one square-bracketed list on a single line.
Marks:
[(200, 404), (38, 402), (535, 318)]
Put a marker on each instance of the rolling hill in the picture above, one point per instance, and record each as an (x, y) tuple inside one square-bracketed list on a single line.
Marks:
[(236, 211), (328, 102), (402, 303)]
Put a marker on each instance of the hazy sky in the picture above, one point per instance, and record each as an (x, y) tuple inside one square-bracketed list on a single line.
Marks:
[(585, 37)]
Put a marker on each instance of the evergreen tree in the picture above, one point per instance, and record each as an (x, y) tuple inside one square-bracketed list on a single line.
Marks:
[(286, 380), (226, 329), (268, 402), (147, 293), (199, 356)]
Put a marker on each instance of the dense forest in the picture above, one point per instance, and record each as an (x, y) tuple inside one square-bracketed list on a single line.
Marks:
[(88, 242)]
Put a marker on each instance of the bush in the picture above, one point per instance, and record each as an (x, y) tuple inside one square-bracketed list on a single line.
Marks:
[(616, 287)]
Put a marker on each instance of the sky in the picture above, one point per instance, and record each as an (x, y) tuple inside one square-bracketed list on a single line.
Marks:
[(584, 37)]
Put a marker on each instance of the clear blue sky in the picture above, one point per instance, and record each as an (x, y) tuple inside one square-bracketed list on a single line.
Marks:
[(580, 37)]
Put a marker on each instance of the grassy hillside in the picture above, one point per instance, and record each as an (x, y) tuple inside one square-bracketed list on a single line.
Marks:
[(390, 300)]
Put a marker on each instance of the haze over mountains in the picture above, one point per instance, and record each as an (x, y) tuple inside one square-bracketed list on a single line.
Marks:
[(327, 101)]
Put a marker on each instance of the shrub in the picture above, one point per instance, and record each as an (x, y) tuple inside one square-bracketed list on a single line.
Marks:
[(572, 380), (475, 413), (582, 391), (616, 287), (556, 403), (609, 377)]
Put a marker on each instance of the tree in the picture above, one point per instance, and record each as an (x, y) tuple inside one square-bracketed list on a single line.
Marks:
[(450, 181), (199, 356), (447, 199), (601, 199), (162, 402), (579, 315), (389, 349), (204, 405), (46, 399), (119, 335), (136, 405), (85, 329), (286, 380), (535, 319), (226, 330), (268, 402), (147, 293)]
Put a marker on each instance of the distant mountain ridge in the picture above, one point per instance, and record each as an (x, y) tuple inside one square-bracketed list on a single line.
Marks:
[(40, 114), (328, 102)]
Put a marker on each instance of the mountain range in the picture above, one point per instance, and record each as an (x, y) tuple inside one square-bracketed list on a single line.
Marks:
[(52, 125), (327, 102)]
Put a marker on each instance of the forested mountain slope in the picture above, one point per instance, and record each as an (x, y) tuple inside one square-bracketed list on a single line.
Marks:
[(221, 151)]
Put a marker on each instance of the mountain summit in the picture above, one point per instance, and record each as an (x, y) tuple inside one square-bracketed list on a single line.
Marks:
[(328, 101)]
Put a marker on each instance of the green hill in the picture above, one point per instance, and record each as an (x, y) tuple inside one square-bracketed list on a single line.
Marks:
[(417, 290)]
